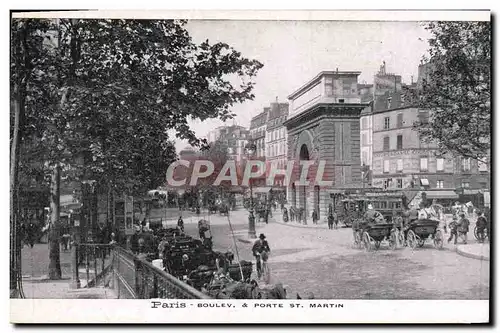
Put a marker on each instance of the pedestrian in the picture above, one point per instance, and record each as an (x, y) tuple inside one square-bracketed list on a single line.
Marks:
[(335, 219), (285, 214), (330, 220), (453, 230), (113, 239), (134, 240), (315, 216), (180, 223), (481, 224), (31, 234), (463, 227)]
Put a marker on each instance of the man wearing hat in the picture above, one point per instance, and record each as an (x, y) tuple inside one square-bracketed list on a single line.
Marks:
[(259, 247), (481, 225), (463, 227), (453, 230)]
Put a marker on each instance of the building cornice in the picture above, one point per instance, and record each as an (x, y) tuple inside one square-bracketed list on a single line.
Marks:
[(316, 79), (321, 110)]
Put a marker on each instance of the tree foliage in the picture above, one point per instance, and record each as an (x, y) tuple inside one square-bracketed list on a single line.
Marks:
[(456, 88), (108, 91)]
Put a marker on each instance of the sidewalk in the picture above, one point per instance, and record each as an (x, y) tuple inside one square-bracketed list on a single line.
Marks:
[(36, 284), (49, 289), (476, 251)]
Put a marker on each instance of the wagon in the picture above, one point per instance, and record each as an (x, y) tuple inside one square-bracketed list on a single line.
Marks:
[(421, 230), (376, 234)]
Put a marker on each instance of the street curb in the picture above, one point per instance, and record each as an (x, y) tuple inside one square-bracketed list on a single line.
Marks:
[(471, 255), (244, 240), (288, 224)]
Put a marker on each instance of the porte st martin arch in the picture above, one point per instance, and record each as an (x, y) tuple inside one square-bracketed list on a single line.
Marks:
[(324, 126)]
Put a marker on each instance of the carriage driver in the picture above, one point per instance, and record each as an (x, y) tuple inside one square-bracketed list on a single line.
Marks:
[(373, 216)]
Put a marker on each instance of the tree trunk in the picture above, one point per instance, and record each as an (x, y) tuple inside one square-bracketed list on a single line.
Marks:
[(14, 168), (54, 248)]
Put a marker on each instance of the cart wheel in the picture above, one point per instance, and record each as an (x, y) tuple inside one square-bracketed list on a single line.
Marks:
[(367, 242), (476, 234), (392, 241), (438, 240), (377, 245), (421, 242), (401, 238), (412, 239)]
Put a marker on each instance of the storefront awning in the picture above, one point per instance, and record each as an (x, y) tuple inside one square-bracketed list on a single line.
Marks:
[(472, 192), (261, 189), (424, 182), (441, 195)]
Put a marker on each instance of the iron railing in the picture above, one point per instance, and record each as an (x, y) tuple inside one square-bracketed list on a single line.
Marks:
[(137, 278), (93, 262)]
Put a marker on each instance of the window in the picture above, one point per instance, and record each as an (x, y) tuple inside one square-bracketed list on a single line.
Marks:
[(466, 164), (363, 139), (465, 184), (400, 165), (440, 184), (423, 163), (399, 144), (387, 123), (386, 166), (482, 166), (440, 164), (389, 100), (400, 183), (400, 120), (386, 143), (341, 100), (386, 184), (423, 117), (329, 86)]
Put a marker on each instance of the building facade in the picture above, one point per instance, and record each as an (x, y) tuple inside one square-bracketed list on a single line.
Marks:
[(214, 134), (258, 126), (276, 135), (323, 125), (401, 159), (366, 135), (235, 137)]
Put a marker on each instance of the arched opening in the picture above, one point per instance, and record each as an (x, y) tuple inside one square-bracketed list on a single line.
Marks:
[(303, 156), (304, 153)]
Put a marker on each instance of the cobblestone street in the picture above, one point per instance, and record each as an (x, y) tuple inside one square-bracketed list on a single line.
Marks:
[(325, 263)]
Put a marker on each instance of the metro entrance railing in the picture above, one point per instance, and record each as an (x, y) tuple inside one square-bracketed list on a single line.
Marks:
[(129, 276)]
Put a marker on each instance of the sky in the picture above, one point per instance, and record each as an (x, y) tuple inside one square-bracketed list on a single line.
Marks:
[(293, 52)]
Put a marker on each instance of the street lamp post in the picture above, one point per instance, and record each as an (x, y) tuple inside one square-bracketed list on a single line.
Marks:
[(250, 149)]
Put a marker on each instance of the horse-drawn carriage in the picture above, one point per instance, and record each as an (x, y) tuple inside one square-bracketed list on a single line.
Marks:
[(354, 206), (371, 230), (224, 209), (421, 230)]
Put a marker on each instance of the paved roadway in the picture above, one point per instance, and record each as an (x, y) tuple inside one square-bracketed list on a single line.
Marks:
[(325, 263)]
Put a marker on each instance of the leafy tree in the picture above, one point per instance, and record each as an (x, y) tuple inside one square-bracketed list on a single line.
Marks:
[(27, 55), (456, 88), (110, 90)]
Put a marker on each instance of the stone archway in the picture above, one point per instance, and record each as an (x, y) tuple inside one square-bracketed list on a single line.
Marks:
[(303, 156)]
